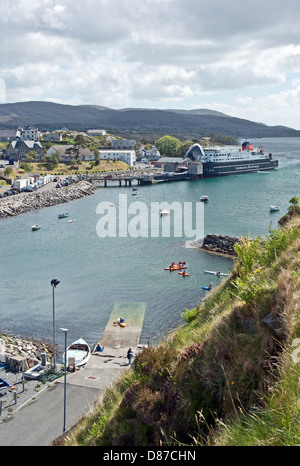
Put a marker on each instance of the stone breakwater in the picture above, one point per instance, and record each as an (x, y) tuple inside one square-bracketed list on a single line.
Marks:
[(16, 352), (219, 244), (21, 204)]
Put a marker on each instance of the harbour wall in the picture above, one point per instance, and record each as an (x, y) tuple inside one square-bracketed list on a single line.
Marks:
[(20, 204)]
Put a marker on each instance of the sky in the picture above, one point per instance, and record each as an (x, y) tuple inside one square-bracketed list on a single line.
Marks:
[(239, 57)]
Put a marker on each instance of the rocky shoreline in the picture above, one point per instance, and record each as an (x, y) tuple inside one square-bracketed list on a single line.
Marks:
[(15, 205), (19, 353), (218, 244)]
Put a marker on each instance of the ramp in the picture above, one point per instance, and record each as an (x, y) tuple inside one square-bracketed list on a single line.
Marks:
[(115, 336)]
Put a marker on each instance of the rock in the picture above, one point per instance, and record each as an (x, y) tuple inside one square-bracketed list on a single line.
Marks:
[(273, 321)]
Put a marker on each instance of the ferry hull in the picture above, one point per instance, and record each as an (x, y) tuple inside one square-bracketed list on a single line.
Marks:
[(213, 169)]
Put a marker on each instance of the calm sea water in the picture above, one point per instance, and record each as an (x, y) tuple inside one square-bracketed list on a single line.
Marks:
[(95, 273)]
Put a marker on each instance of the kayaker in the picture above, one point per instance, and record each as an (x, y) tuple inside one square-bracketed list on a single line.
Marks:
[(218, 272)]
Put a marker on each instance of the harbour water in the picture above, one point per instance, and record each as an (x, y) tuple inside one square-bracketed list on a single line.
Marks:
[(96, 273)]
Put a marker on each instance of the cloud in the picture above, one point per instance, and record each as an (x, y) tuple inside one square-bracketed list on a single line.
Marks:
[(155, 53)]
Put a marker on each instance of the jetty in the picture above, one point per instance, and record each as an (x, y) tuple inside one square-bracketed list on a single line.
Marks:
[(84, 387)]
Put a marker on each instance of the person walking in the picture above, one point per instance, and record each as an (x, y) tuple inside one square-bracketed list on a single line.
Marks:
[(129, 356)]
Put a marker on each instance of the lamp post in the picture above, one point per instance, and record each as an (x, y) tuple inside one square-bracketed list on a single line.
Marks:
[(65, 331), (54, 283)]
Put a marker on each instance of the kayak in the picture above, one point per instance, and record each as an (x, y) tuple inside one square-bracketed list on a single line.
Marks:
[(176, 267), (216, 273), (122, 324), (184, 274), (206, 288)]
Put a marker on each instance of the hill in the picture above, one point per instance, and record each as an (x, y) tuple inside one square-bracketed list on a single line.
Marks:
[(188, 123), (230, 375)]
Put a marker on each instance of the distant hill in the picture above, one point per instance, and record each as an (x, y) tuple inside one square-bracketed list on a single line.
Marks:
[(189, 123)]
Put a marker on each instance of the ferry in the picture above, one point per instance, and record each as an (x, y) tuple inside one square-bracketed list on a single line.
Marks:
[(231, 160)]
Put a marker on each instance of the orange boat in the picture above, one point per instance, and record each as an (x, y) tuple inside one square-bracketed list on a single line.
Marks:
[(184, 274)]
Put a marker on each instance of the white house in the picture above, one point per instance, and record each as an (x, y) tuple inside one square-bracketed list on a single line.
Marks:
[(127, 156), (96, 132)]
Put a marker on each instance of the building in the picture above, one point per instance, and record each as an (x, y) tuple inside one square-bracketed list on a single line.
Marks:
[(52, 137), (123, 144), (67, 153), (28, 134), (96, 132), (152, 154), (127, 156), (8, 134), (19, 149)]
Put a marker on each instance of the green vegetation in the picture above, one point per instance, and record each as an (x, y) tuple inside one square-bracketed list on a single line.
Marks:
[(226, 377)]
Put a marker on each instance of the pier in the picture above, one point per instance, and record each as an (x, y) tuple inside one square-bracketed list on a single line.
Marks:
[(142, 177)]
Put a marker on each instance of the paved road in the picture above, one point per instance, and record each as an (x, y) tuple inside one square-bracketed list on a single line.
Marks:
[(40, 421)]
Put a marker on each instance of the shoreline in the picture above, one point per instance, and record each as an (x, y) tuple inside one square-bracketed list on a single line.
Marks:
[(13, 206)]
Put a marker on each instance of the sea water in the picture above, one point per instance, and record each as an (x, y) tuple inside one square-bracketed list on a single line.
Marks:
[(95, 272)]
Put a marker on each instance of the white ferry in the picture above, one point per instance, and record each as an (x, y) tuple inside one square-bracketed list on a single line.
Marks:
[(230, 160)]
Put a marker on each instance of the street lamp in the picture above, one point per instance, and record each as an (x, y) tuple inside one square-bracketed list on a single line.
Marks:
[(65, 331), (54, 283)]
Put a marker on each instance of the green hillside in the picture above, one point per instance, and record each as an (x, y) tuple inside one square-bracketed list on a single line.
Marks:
[(230, 375)]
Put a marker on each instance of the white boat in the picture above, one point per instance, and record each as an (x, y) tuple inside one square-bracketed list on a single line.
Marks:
[(79, 351), (35, 227), (216, 273), (204, 198), (164, 212), (274, 208), (72, 220), (35, 372), (134, 193)]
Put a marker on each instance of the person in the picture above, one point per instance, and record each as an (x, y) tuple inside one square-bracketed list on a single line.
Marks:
[(210, 286), (218, 272), (129, 356)]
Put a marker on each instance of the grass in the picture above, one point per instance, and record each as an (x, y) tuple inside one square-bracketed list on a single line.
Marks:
[(225, 377)]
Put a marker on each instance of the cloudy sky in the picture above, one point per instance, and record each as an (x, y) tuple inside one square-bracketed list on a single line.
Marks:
[(240, 57)]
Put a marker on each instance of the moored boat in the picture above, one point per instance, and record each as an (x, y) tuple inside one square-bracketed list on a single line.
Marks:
[(35, 372), (79, 352), (4, 387), (230, 160), (274, 208), (204, 198), (35, 227), (63, 215)]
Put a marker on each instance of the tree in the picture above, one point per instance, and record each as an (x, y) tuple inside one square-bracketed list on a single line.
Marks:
[(168, 146), (294, 201)]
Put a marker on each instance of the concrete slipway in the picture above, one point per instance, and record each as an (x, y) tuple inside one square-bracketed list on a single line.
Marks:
[(40, 420)]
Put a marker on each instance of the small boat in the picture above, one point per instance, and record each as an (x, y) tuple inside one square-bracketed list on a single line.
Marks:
[(216, 273), (72, 220), (204, 198), (135, 189), (35, 372), (183, 274), (134, 193), (274, 208), (176, 266), (207, 287), (35, 227), (80, 351), (164, 212), (121, 322), (63, 215), (4, 387)]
